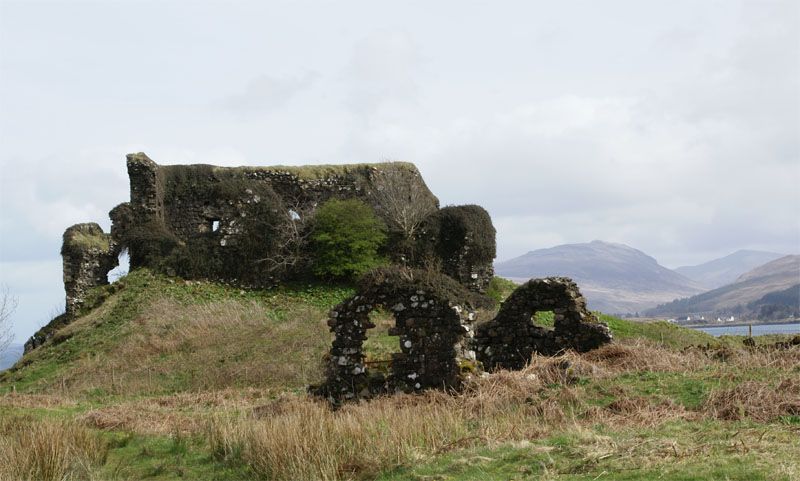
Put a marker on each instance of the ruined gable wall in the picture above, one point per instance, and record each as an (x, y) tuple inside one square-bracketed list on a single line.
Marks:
[(187, 198)]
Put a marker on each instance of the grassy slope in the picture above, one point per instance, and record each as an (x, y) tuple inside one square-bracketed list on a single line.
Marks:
[(160, 360)]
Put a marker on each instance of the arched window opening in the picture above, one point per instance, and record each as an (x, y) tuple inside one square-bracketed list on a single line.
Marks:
[(544, 319)]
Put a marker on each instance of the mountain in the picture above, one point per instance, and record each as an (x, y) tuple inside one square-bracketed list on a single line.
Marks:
[(10, 356), (768, 292), (615, 278), (725, 270)]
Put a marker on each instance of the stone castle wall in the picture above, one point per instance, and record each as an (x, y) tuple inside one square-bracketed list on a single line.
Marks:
[(203, 221)]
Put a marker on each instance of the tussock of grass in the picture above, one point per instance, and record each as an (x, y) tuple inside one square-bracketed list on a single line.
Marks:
[(311, 442), (760, 400), (48, 450)]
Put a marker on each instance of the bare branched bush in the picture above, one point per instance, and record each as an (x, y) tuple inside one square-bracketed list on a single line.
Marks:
[(8, 304), (403, 202), (291, 237)]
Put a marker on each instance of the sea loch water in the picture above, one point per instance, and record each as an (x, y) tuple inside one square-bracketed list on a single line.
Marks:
[(758, 329)]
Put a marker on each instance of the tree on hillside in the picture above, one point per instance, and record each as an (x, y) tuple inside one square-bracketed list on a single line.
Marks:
[(8, 304), (346, 237)]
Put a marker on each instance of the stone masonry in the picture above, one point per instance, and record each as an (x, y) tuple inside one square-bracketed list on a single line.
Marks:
[(88, 255), (433, 320), (439, 343), (509, 340)]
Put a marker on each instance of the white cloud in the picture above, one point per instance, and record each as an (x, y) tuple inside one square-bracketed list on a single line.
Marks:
[(268, 94)]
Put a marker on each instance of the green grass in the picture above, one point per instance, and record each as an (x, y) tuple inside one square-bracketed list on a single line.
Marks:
[(680, 450), (174, 457), (662, 332)]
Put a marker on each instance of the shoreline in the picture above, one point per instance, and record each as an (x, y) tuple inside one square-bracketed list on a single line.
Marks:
[(739, 324)]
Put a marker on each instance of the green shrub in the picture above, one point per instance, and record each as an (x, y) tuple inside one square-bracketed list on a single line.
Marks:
[(346, 238)]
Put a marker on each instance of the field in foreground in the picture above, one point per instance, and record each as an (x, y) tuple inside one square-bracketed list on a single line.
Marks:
[(168, 379)]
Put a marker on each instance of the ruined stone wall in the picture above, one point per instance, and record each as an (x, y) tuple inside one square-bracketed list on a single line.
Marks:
[(509, 340), (188, 198), (462, 239), (245, 225), (222, 212), (434, 322), (439, 343), (88, 256)]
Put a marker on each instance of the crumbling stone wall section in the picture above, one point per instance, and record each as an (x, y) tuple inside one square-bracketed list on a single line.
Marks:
[(89, 255), (509, 340), (147, 192), (462, 238), (434, 322), (236, 220)]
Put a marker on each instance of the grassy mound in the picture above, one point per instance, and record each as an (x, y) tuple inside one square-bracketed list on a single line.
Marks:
[(152, 334)]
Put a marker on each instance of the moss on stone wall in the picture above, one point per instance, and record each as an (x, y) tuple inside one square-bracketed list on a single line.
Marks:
[(85, 241), (321, 171)]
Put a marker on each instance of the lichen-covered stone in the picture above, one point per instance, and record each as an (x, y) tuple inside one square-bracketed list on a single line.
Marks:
[(509, 340)]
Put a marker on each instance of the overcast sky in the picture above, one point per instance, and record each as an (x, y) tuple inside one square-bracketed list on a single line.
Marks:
[(670, 126)]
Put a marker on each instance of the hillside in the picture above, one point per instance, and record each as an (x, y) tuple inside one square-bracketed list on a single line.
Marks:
[(169, 379), (725, 270), (768, 292), (614, 278)]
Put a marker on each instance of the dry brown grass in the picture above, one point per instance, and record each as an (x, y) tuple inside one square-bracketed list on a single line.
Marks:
[(233, 343), (185, 413), (309, 441), (47, 450), (759, 400), (35, 401), (298, 438)]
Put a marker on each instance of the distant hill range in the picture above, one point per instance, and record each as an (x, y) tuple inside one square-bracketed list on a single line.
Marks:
[(10, 356), (726, 270), (614, 278), (768, 292)]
